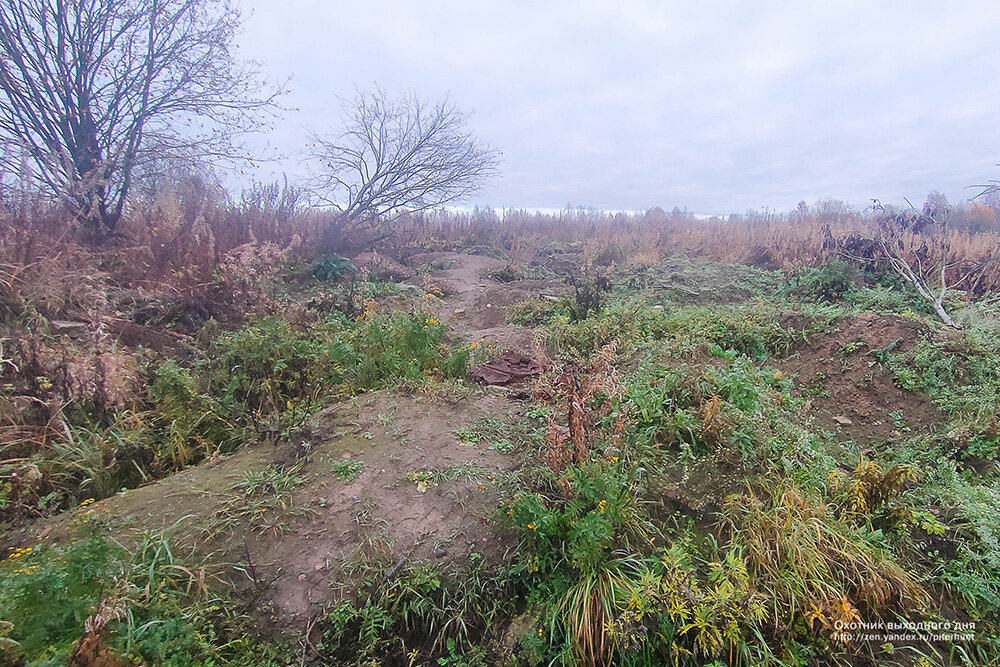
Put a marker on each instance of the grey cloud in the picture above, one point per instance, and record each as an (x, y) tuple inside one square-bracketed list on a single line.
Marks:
[(714, 106)]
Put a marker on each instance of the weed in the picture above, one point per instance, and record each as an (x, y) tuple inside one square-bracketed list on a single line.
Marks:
[(260, 501), (816, 570), (830, 282), (419, 606), (534, 312), (347, 469), (695, 616), (470, 470), (751, 330), (506, 435), (331, 267), (870, 490), (144, 604)]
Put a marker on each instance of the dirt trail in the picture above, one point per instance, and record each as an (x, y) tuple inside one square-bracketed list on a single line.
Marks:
[(473, 303)]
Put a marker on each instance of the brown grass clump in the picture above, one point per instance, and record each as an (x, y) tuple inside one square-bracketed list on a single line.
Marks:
[(577, 385), (814, 568)]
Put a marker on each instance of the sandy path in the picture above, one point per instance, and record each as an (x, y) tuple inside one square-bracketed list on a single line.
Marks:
[(474, 305)]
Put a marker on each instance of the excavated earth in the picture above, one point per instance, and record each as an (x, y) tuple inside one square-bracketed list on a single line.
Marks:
[(295, 559)]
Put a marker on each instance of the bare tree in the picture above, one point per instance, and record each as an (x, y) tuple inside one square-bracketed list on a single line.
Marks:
[(93, 90), (397, 155), (917, 246)]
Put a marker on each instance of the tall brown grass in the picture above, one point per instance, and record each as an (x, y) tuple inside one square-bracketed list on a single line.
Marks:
[(761, 239), (176, 239)]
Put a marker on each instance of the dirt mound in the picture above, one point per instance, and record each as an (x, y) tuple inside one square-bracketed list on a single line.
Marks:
[(849, 388), (442, 259), (490, 307), (509, 367), (382, 267), (383, 479)]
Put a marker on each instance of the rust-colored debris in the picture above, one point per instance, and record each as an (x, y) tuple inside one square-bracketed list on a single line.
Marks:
[(508, 368)]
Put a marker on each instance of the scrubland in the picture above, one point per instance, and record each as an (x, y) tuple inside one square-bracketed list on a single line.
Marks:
[(224, 442)]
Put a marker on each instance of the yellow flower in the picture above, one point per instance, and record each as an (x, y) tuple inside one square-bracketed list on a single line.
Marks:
[(540, 632), (473, 345), (778, 375), (532, 526)]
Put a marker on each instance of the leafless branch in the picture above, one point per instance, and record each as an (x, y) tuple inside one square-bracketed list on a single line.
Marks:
[(94, 89), (925, 267), (398, 155)]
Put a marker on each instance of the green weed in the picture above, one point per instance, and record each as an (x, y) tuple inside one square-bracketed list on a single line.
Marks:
[(347, 469), (261, 501)]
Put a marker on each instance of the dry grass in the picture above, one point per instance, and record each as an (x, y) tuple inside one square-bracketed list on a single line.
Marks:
[(812, 565), (176, 239), (763, 240)]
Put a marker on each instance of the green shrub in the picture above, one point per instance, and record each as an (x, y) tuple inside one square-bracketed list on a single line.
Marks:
[(47, 593), (268, 364), (879, 298), (393, 347), (331, 267), (262, 366), (961, 377), (830, 282), (582, 531), (188, 424), (752, 330), (695, 610), (151, 604), (678, 406)]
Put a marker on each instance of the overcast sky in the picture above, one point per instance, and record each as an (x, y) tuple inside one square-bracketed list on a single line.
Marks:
[(713, 106)]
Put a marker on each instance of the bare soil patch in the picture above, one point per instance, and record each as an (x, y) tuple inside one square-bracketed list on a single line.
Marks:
[(850, 391), (473, 304), (381, 514)]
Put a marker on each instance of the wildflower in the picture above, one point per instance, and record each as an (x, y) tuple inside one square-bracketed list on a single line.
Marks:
[(778, 375), (602, 505), (473, 345), (614, 459), (532, 526), (86, 502), (540, 632), (20, 552)]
